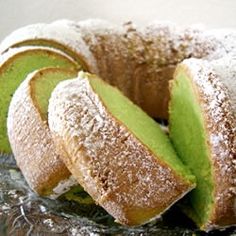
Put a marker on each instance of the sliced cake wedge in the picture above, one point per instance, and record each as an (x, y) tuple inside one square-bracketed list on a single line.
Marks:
[(30, 136), (62, 35), (116, 152), (15, 65), (202, 129)]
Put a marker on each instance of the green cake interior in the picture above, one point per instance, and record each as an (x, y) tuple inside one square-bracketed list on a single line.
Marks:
[(14, 71), (53, 44), (140, 124), (42, 85), (190, 140)]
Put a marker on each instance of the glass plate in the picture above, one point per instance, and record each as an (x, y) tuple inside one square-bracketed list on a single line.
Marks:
[(22, 212)]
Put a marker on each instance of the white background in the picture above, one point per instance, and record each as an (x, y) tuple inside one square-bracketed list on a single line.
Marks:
[(212, 13)]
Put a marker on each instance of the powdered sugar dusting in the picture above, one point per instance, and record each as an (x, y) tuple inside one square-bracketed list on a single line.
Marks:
[(18, 34), (63, 186), (225, 39), (225, 68)]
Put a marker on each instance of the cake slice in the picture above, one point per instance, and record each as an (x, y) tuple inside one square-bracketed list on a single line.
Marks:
[(202, 129), (116, 152), (15, 65), (62, 35), (30, 136)]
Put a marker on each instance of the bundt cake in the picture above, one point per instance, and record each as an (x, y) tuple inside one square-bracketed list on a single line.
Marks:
[(116, 152), (15, 65), (202, 129), (140, 62)]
